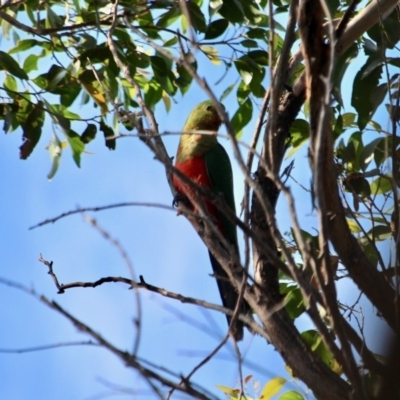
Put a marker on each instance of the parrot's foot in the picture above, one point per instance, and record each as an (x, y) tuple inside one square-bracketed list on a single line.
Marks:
[(180, 199)]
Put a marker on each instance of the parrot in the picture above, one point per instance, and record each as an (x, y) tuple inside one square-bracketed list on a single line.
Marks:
[(201, 158)]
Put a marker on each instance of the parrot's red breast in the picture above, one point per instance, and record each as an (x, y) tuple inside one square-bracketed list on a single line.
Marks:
[(196, 170)]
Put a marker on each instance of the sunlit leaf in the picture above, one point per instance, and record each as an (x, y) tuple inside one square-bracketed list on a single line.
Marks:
[(97, 96), (212, 53), (214, 6), (55, 149), (229, 391), (383, 184), (167, 101), (272, 388), (354, 227), (24, 45), (31, 63), (11, 84), (291, 395)]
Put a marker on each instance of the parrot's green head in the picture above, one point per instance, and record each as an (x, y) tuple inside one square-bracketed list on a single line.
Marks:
[(204, 117)]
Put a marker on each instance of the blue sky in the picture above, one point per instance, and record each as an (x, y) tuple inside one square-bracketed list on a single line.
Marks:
[(163, 248)]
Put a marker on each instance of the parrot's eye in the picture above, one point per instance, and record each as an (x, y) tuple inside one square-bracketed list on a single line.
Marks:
[(208, 108)]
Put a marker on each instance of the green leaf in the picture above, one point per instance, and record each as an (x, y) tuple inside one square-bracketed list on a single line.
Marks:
[(349, 120), (214, 6), (169, 17), (108, 132), (381, 185), (77, 146), (32, 130), (163, 74), (246, 69), (259, 56), (368, 152), (299, 134), (31, 63), (394, 111), (242, 117), (370, 251), (232, 11), (354, 227), (184, 79), (52, 20), (363, 91), (152, 93), (356, 183), (196, 16), (333, 6), (171, 42), (227, 92), (89, 133), (291, 395), (340, 69), (23, 45), (314, 341), (249, 43), (216, 29), (212, 54), (380, 232), (387, 33), (272, 387), (294, 302), (8, 64), (11, 84), (257, 33)]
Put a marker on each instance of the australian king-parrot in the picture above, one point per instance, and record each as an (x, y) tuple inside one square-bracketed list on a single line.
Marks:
[(202, 159)]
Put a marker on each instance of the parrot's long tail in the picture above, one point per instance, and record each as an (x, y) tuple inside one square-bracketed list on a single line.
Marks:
[(229, 297)]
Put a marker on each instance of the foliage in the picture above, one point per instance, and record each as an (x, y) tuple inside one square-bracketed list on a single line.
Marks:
[(270, 389), (94, 66)]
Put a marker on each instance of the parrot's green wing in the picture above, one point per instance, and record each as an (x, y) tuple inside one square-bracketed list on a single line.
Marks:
[(219, 172)]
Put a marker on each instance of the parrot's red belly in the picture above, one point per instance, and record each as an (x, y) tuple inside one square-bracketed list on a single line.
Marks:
[(195, 169)]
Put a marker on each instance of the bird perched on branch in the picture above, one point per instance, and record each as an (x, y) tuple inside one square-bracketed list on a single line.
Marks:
[(202, 159)]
